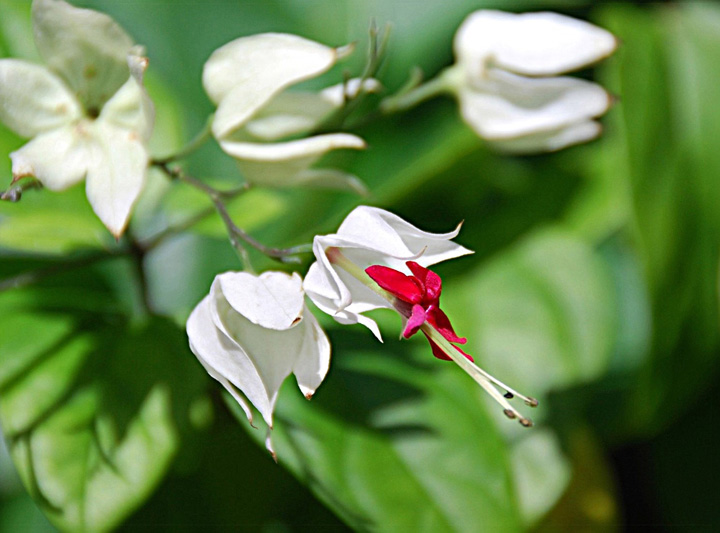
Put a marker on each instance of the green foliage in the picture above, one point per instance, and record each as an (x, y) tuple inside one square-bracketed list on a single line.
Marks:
[(395, 443), (593, 287), (94, 408)]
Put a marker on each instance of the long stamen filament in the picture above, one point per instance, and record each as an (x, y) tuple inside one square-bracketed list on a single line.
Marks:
[(485, 380), (479, 375)]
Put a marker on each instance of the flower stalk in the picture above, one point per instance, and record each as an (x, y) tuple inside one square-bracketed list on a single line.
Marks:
[(237, 235)]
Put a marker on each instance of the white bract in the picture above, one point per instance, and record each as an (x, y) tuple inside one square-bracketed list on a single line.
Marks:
[(87, 112), (506, 79), (370, 236), (247, 79), (251, 332)]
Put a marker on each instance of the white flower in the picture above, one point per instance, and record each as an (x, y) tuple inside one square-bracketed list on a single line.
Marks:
[(370, 236), (378, 260), (503, 79), (251, 332), (247, 78), (87, 113)]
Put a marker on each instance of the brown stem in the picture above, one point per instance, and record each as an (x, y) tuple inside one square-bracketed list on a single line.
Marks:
[(237, 235)]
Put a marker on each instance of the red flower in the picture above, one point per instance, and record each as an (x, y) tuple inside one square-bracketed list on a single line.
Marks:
[(422, 291)]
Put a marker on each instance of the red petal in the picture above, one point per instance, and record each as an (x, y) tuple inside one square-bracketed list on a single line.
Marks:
[(417, 319), (431, 281), (440, 353), (440, 321), (467, 355), (395, 282), (437, 351)]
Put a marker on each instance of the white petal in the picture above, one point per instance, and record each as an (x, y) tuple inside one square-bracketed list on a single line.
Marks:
[(313, 358), (534, 44), (58, 158), (370, 236), (285, 164), (551, 141), (86, 48), (295, 112), (336, 94), (330, 178), (273, 353), (242, 76), (310, 147), (388, 236), (289, 113), (273, 300), (223, 359), (337, 293), (116, 175), (131, 108), (33, 100), (506, 106)]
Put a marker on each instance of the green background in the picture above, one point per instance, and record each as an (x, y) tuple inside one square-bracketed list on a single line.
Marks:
[(593, 287)]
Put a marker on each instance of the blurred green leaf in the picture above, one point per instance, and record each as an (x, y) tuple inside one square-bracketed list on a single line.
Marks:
[(93, 417), (396, 442), (540, 316), (589, 501), (663, 143), (541, 472)]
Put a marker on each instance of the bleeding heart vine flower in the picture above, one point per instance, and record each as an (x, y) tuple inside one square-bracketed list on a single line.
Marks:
[(506, 79), (246, 79), (378, 260), (87, 112), (421, 291), (251, 332)]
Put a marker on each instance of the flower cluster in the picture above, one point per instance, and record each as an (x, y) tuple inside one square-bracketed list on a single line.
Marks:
[(506, 79), (87, 112), (89, 118), (247, 79), (251, 332)]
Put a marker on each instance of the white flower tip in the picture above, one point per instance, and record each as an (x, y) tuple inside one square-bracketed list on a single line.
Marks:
[(117, 231), (269, 445), (137, 62), (341, 52), (533, 44)]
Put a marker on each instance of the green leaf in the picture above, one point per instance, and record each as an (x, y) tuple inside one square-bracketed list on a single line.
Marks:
[(93, 418), (393, 442), (664, 147), (540, 315), (541, 472)]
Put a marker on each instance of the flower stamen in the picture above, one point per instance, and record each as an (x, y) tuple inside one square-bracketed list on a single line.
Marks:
[(398, 289)]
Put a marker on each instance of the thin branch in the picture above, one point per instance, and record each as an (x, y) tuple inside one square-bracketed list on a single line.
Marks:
[(284, 255), (237, 235)]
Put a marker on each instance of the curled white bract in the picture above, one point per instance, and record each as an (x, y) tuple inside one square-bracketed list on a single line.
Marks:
[(87, 111), (251, 332), (370, 236), (506, 79), (247, 80)]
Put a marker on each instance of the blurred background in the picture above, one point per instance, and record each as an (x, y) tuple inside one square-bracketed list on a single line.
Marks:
[(593, 287)]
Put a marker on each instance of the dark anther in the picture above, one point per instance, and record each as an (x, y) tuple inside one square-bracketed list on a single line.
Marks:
[(526, 422), (532, 402), (509, 413), (509, 395)]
